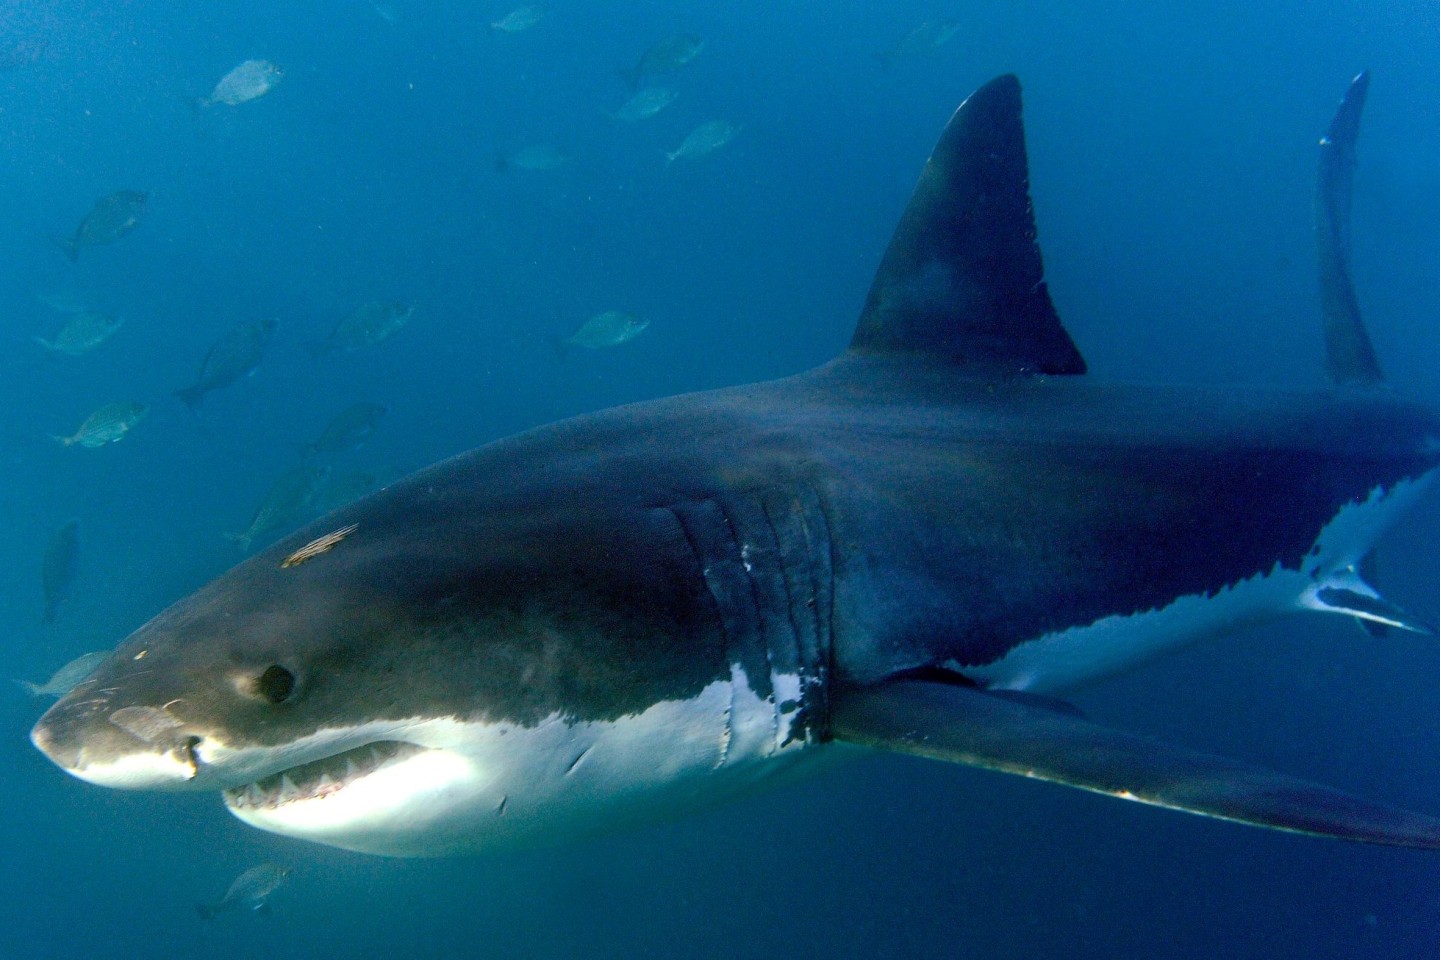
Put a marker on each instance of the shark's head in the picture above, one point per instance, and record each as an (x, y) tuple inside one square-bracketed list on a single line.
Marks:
[(411, 678)]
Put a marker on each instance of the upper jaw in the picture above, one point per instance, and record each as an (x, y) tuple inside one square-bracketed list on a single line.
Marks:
[(146, 748)]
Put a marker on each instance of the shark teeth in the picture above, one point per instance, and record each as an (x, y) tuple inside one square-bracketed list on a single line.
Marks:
[(319, 778)]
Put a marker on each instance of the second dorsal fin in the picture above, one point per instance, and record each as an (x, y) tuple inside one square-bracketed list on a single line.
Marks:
[(962, 278)]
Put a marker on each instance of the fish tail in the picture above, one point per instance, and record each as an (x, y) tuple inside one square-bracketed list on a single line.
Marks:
[(241, 540), (31, 688), (630, 75), (317, 348), (501, 163), (45, 343), (192, 397), (63, 441), (561, 346), (670, 158), (205, 911), (71, 247)]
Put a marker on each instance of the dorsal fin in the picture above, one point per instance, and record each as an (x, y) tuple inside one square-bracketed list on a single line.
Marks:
[(962, 277), (1349, 356)]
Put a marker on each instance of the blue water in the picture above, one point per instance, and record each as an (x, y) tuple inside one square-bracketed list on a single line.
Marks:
[(1173, 152)]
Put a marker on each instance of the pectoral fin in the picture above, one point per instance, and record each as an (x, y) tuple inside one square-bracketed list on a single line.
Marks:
[(967, 725)]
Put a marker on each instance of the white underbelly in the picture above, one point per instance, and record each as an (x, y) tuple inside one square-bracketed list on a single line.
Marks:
[(1068, 658)]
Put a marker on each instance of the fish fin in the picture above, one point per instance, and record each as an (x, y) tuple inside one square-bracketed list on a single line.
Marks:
[(1346, 592), (70, 246), (46, 344), (31, 688), (561, 346), (241, 540), (970, 726), (631, 75), (1349, 355), (192, 397), (205, 911), (962, 279)]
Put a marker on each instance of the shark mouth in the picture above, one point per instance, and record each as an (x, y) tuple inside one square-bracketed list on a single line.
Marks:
[(318, 778)]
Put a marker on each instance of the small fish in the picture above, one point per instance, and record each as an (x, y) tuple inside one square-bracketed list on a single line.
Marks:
[(249, 891), (249, 81), (57, 571), (318, 546), (349, 429), (287, 500), (919, 41), (20, 53), (608, 329), (645, 104), (68, 677), (519, 19), (664, 56), (366, 325), (109, 424), (538, 157), (82, 333), (235, 354), (108, 220), (704, 139)]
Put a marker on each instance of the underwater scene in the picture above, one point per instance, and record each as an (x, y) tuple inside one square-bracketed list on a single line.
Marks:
[(265, 259)]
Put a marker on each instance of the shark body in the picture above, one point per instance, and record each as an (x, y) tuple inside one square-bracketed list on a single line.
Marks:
[(655, 606)]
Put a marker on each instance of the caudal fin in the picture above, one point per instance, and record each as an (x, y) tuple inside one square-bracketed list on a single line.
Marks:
[(205, 911), (1349, 356)]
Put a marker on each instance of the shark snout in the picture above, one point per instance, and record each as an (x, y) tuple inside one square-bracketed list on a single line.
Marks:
[(132, 747)]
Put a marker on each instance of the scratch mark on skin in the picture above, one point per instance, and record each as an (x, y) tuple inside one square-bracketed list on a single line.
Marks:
[(318, 546)]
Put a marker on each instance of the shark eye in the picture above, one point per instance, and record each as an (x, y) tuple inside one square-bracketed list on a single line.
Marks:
[(275, 684)]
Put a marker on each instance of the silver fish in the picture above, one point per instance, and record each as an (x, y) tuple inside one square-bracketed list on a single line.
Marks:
[(366, 325), (608, 329), (57, 572), (68, 677), (349, 429), (704, 139), (249, 81), (108, 220), (664, 56), (249, 891), (286, 502), (921, 40), (537, 157), (235, 354), (645, 104), (82, 333), (109, 424), (519, 19)]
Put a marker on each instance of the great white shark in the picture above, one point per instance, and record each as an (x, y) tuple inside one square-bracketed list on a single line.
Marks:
[(918, 546)]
